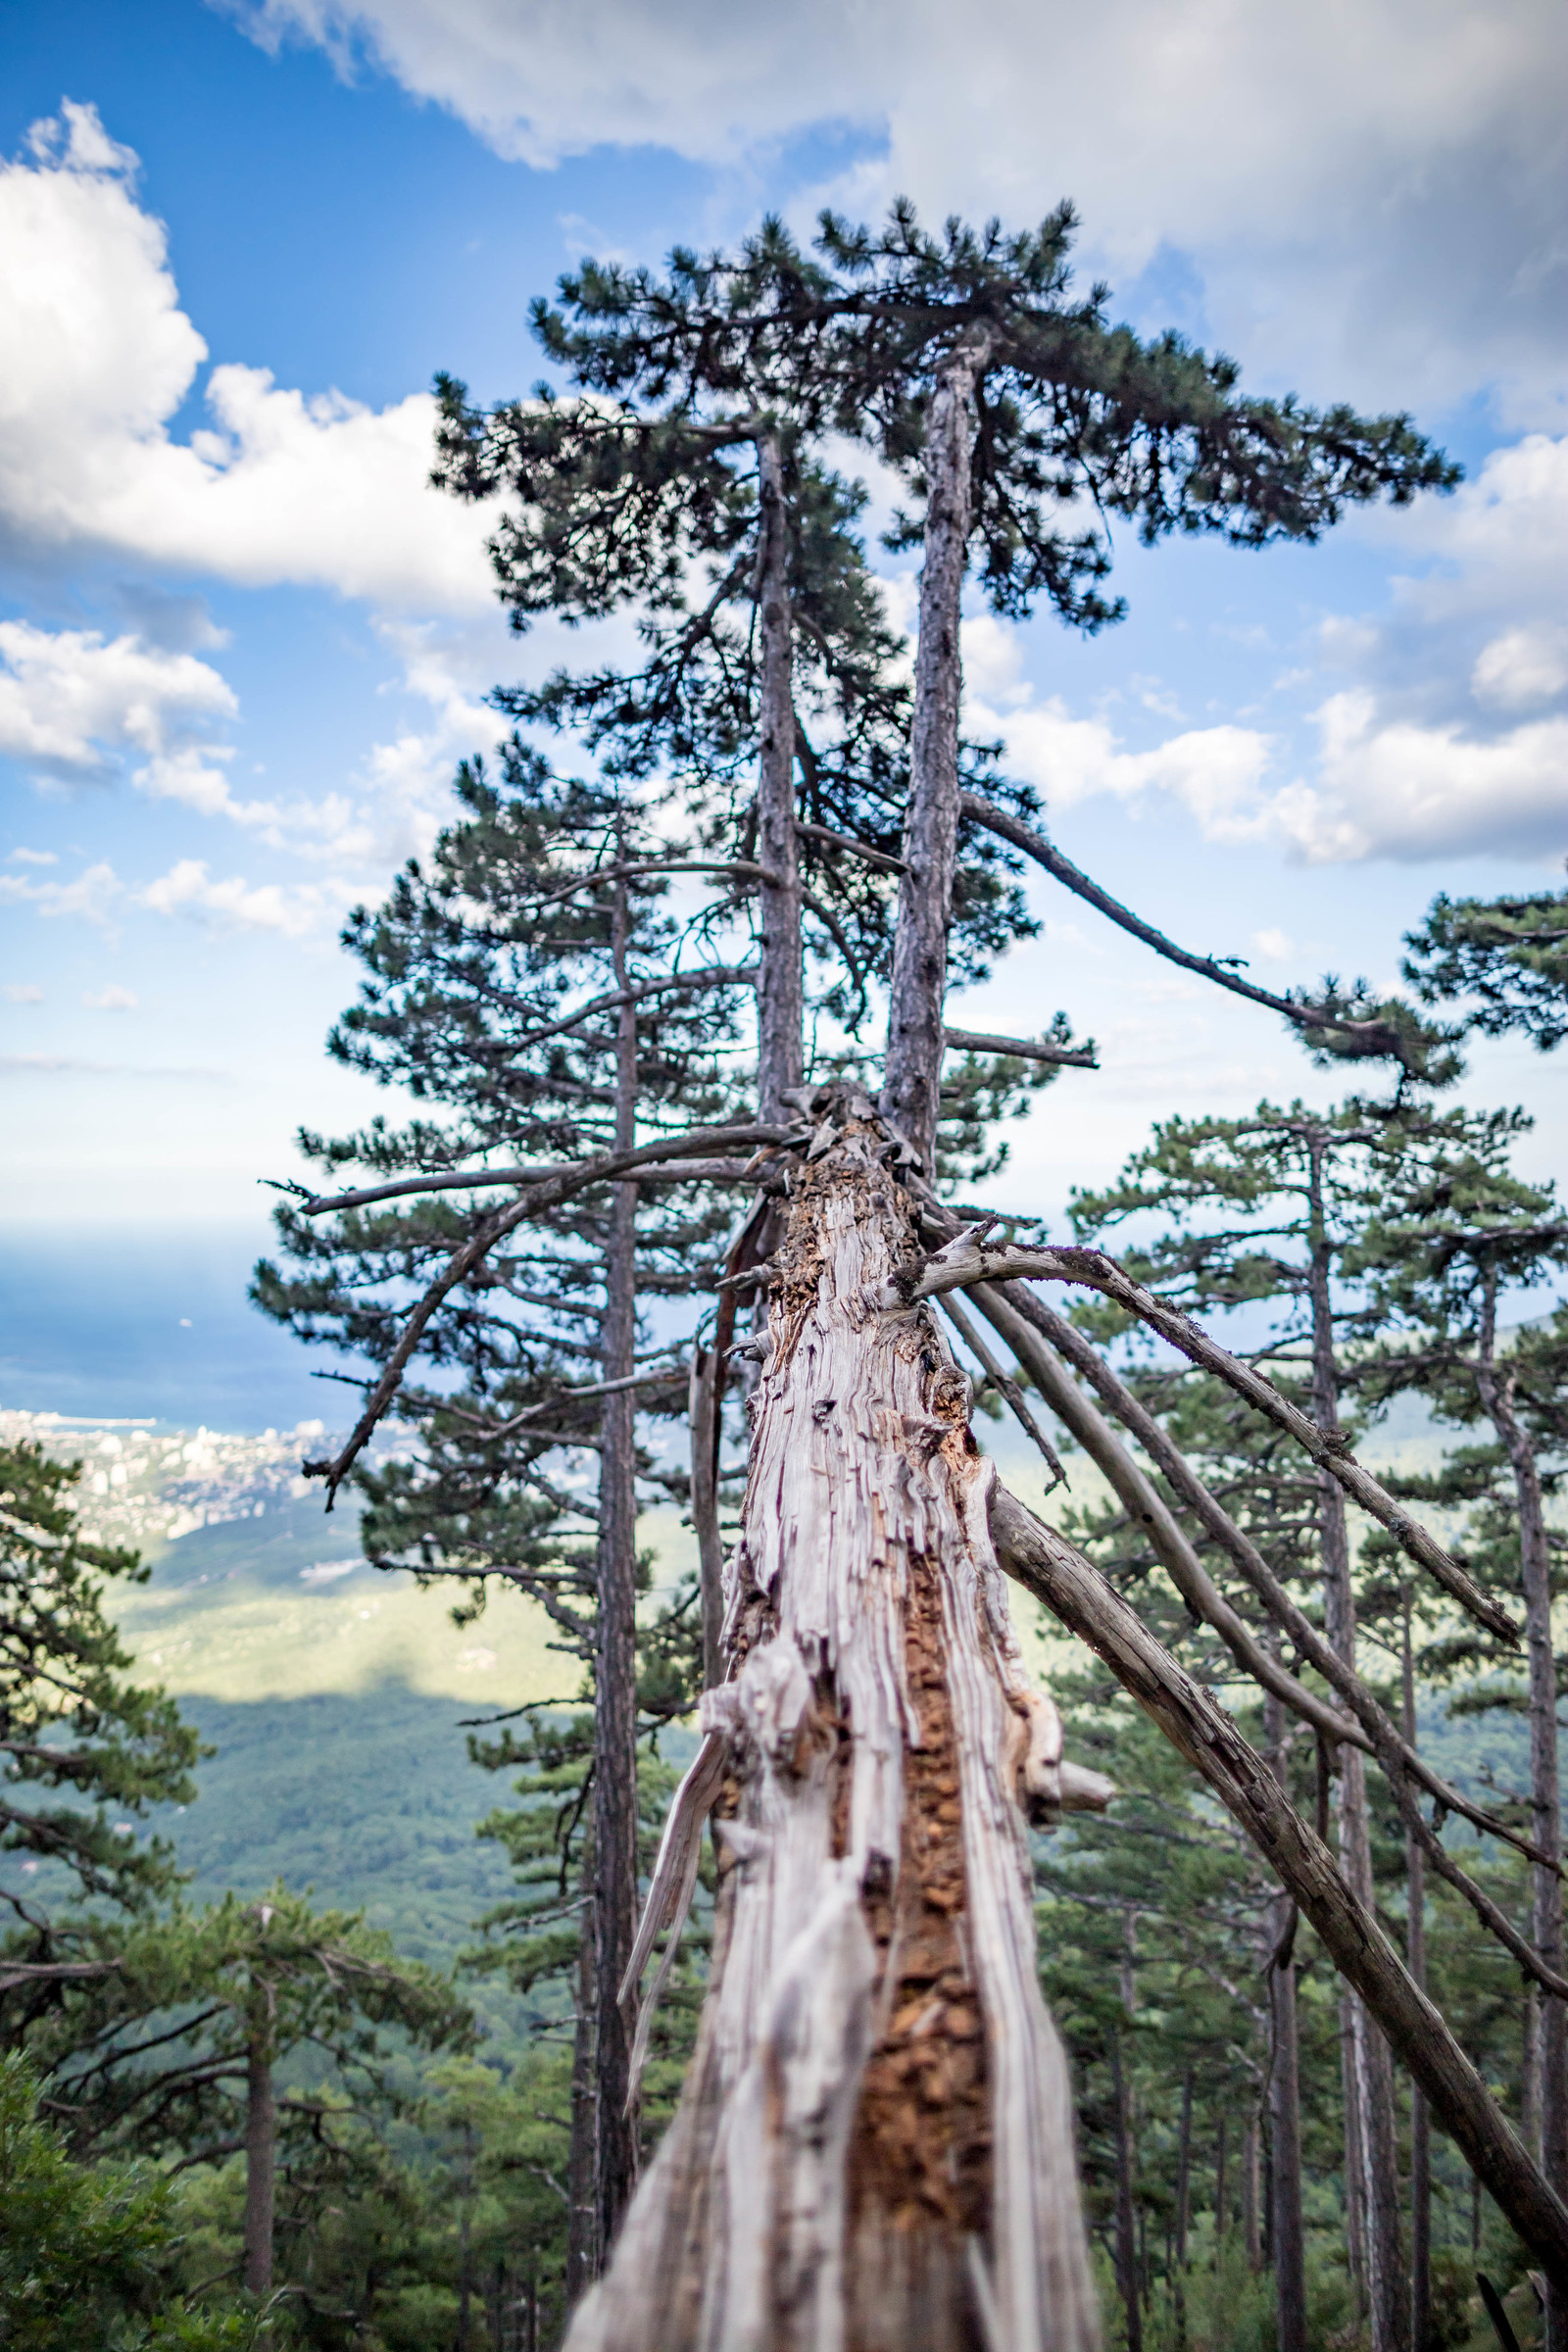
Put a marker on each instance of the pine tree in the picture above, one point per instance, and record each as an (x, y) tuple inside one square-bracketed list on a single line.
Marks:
[(1455, 1235), (532, 991), (870, 1756), (178, 2051), (1266, 1209), (83, 1744), (1507, 958)]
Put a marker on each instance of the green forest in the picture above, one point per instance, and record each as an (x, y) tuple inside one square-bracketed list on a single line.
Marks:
[(1012, 1799)]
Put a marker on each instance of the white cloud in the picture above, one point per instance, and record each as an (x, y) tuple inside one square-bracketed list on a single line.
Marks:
[(1215, 772), (112, 998), (90, 897), (1398, 790), (69, 702), (22, 992), (1522, 666), (35, 856), (235, 905), (1380, 202), (283, 487)]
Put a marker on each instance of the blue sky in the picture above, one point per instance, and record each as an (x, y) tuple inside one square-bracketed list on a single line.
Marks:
[(242, 646)]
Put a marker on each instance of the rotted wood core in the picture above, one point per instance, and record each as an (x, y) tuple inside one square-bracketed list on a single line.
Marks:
[(920, 2159)]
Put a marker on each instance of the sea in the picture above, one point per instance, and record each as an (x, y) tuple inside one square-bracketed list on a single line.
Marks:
[(152, 1323)]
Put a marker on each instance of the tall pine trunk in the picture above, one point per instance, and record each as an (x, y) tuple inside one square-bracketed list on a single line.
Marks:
[(874, 2148), (1371, 2138), (780, 1008), (1535, 1563), (261, 2166), (1121, 2081), (608, 2163), (913, 1075), (1286, 2230), (1415, 1881)]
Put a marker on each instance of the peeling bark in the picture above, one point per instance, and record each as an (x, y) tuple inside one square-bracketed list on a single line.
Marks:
[(875, 2146)]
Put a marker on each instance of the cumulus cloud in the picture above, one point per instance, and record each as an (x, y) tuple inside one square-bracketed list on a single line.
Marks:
[(70, 704), (91, 897), (232, 903), (113, 999), (1383, 785), (1377, 206), (281, 486), (22, 992), (1214, 772)]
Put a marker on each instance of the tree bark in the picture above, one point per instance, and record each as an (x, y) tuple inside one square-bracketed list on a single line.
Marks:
[(707, 1429), (1183, 2205), (1199, 1730), (1371, 2140), (912, 1074), (1415, 1881), (874, 2147), (1288, 2233), (1126, 2224), (780, 1009), (614, 1803), (1252, 2235), (261, 2166), (1535, 1563)]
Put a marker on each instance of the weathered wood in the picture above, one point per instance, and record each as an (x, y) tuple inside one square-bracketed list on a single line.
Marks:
[(875, 2143), (912, 1073), (704, 1423), (1199, 1730)]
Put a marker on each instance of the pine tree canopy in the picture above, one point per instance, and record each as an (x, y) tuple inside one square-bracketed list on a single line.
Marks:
[(1508, 955)]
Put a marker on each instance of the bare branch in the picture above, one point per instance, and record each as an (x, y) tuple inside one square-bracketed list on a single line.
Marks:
[(856, 848), (968, 1260), (1379, 1734), (646, 1156), (1205, 1736), (1370, 1037), (1003, 1381), (462, 1263), (1025, 1049)]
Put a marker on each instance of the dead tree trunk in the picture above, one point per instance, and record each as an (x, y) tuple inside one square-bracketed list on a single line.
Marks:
[(261, 2165), (1535, 1562), (913, 1077), (874, 2148), (1371, 2143)]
